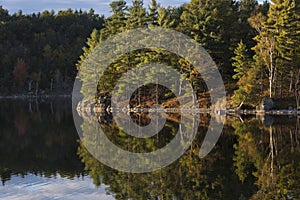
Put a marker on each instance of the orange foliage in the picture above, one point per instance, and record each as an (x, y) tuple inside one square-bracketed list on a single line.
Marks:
[(20, 72)]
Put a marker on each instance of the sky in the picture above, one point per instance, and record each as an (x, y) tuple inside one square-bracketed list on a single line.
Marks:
[(100, 6)]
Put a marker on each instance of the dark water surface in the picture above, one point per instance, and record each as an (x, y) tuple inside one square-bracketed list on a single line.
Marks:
[(41, 157)]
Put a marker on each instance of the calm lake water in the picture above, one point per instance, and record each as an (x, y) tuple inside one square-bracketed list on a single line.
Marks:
[(41, 157)]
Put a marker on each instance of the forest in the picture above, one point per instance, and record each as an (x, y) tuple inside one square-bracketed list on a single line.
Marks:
[(255, 46), (39, 51)]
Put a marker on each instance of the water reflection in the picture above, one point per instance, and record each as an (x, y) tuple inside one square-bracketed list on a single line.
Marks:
[(38, 138), (269, 155), (41, 187), (188, 178), (253, 159)]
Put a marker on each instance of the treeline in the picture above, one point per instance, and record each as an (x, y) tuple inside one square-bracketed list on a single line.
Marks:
[(38, 52), (255, 45), (217, 25)]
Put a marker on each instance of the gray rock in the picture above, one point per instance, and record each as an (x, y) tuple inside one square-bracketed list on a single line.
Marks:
[(267, 104)]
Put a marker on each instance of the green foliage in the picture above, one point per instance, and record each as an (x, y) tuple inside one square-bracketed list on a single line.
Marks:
[(275, 53), (153, 13), (266, 61), (137, 15), (212, 24), (241, 61), (47, 42), (117, 21)]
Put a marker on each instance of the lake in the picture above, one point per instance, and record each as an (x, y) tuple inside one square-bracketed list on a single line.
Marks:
[(43, 158)]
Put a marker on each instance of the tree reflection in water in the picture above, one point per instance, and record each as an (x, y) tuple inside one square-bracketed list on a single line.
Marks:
[(270, 155), (39, 138), (188, 178), (253, 159)]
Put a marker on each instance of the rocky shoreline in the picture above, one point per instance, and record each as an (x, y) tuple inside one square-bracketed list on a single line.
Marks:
[(90, 108)]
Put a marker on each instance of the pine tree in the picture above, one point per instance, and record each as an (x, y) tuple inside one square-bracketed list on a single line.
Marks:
[(91, 43), (3, 14), (116, 23), (288, 40), (210, 23), (241, 61), (164, 18), (153, 13), (277, 42), (246, 9), (247, 74), (288, 27), (137, 15), (248, 91)]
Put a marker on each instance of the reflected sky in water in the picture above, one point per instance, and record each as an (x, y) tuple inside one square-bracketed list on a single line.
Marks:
[(37, 187)]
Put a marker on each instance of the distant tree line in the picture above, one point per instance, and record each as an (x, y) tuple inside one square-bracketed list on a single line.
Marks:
[(38, 52)]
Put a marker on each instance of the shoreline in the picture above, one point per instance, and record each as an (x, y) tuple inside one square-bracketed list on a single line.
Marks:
[(98, 109), (24, 97)]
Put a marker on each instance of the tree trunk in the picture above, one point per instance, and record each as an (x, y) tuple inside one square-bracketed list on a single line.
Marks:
[(281, 82), (272, 67), (180, 87), (195, 101), (51, 85), (270, 87), (296, 131), (30, 107), (36, 88), (291, 84), (272, 150), (29, 85), (297, 92), (156, 92), (275, 83)]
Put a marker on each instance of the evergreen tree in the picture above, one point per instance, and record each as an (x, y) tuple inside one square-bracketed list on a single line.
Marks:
[(153, 13), (117, 21), (91, 43), (211, 24), (288, 39), (137, 15), (3, 14), (241, 60), (246, 9), (164, 18)]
